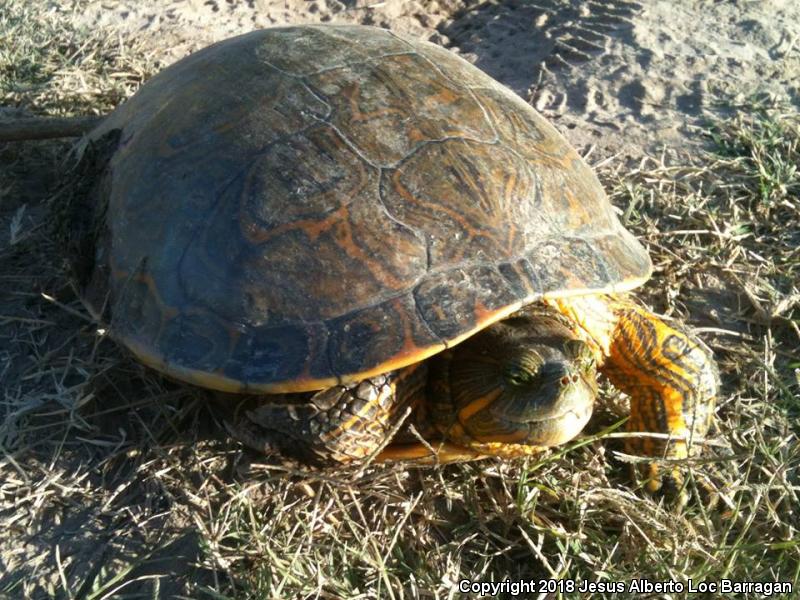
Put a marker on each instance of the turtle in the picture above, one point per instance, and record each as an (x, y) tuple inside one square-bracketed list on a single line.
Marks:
[(364, 233)]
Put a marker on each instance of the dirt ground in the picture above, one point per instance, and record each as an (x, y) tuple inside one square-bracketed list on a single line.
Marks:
[(117, 483), (622, 76)]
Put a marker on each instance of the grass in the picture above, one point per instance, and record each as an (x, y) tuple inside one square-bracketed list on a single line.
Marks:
[(55, 66), (117, 483)]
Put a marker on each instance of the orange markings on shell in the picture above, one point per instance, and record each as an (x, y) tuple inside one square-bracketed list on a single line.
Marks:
[(304, 179)]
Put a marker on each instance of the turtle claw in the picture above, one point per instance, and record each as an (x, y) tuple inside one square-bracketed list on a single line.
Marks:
[(676, 486), (667, 484), (249, 435)]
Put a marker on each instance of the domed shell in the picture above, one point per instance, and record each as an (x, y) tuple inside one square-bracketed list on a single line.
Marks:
[(301, 206)]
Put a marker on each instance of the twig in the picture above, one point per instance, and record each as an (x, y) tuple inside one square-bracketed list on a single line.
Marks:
[(43, 128)]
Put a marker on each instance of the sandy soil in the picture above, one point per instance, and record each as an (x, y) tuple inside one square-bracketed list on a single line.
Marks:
[(619, 75)]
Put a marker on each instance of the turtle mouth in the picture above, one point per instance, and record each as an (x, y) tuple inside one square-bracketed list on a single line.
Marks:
[(559, 428)]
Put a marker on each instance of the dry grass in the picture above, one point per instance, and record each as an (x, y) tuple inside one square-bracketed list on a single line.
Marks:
[(117, 483), (51, 65)]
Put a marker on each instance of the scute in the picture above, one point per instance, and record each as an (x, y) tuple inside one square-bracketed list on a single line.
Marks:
[(302, 206)]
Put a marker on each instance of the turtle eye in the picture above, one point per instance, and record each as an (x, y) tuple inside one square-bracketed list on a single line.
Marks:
[(579, 350), (523, 370)]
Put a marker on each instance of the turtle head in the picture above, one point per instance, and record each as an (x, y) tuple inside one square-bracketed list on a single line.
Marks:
[(526, 381)]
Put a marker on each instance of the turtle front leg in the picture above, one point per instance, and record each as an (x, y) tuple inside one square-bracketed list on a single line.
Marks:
[(338, 425), (672, 380), (670, 376)]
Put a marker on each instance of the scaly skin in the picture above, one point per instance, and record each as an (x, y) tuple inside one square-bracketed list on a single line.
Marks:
[(670, 376), (337, 425)]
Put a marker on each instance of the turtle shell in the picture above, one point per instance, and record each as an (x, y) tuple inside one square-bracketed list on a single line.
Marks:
[(303, 206)]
